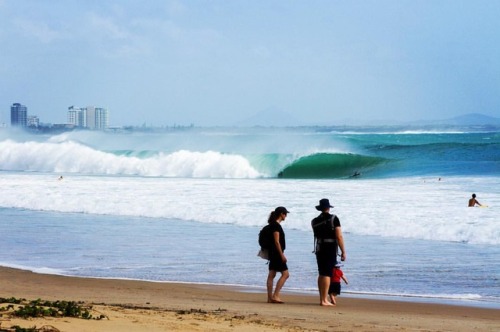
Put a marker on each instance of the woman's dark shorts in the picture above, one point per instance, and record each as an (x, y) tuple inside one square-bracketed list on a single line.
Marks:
[(276, 263)]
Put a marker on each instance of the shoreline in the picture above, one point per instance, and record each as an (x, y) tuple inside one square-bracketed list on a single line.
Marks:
[(161, 306), (440, 300)]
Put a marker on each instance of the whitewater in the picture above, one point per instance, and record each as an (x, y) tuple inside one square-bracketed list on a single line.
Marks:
[(187, 206)]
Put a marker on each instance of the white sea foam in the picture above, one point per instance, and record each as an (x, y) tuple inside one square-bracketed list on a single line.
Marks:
[(41, 270), (404, 207), (70, 157)]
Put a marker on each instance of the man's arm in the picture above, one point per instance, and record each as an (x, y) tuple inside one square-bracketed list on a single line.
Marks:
[(340, 241)]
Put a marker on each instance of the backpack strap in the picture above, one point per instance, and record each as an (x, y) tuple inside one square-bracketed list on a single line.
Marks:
[(332, 224), (333, 227)]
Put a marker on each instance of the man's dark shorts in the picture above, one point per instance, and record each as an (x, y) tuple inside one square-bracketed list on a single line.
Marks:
[(326, 258)]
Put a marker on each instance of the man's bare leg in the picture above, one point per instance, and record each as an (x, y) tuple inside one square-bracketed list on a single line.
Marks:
[(323, 286)]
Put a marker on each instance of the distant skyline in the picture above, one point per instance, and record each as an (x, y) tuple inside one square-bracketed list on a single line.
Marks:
[(223, 62)]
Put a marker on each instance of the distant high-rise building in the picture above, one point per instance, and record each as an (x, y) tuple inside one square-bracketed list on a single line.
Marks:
[(89, 117), (101, 118), (77, 116), (18, 115)]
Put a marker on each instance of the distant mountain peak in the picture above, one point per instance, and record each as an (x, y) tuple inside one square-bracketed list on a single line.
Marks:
[(473, 119)]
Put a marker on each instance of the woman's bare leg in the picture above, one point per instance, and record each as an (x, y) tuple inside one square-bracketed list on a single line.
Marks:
[(270, 281), (281, 282)]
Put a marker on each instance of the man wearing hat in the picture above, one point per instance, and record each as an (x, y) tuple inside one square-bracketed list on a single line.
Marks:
[(328, 238)]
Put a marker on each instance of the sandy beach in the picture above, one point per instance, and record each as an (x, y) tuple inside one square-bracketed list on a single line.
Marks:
[(154, 306)]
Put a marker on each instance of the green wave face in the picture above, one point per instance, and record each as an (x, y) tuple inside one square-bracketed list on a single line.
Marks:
[(328, 165)]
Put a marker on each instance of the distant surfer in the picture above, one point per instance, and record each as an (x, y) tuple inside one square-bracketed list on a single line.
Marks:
[(60, 178), (355, 174), (473, 201)]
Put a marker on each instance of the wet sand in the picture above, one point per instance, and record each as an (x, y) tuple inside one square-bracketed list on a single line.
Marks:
[(157, 306)]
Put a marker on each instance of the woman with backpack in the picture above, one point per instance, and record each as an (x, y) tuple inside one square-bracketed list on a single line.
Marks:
[(277, 259)]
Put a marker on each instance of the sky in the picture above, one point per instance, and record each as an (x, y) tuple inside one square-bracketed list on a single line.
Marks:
[(222, 62)]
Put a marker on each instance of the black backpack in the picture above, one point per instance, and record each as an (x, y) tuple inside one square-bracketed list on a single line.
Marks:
[(265, 237), (323, 228)]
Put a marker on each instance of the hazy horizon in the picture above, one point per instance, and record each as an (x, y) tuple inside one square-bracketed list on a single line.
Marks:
[(223, 62)]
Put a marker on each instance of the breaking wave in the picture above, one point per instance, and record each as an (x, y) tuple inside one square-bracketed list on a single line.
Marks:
[(330, 165)]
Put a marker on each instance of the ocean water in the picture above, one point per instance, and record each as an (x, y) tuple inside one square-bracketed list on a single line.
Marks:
[(188, 205)]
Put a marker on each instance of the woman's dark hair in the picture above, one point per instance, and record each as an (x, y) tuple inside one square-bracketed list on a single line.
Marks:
[(276, 213), (272, 217)]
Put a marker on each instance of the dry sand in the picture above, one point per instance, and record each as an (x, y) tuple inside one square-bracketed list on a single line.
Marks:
[(154, 306)]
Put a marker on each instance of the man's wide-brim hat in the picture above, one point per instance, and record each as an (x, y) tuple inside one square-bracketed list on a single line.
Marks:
[(323, 204)]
